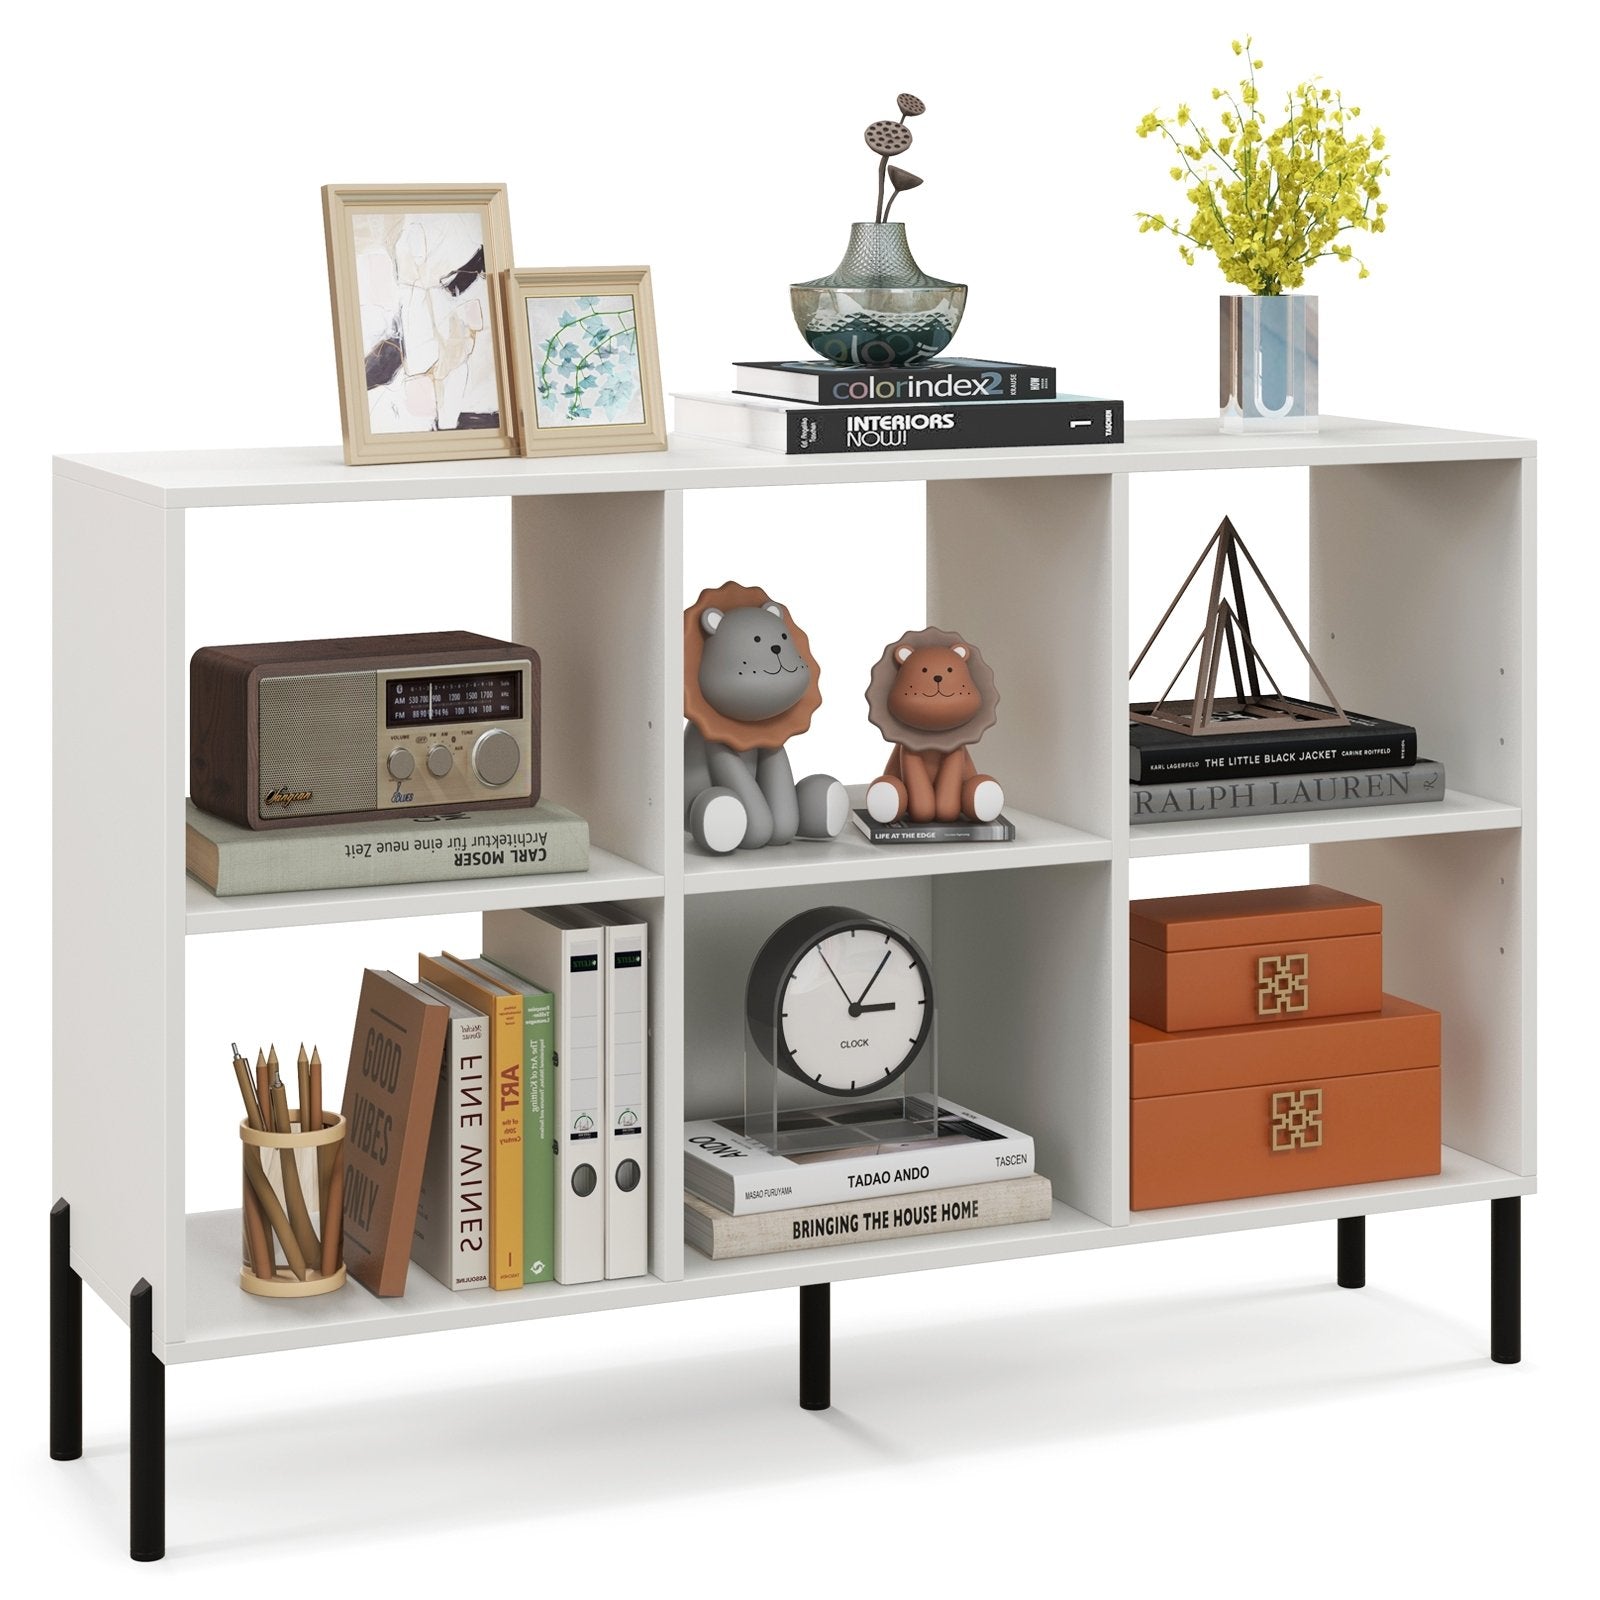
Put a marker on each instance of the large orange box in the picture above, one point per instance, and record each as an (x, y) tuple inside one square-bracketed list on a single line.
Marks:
[(1253, 955), (1225, 1113)]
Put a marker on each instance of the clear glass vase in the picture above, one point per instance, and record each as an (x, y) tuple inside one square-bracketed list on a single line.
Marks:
[(1268, 363), (878, 308)]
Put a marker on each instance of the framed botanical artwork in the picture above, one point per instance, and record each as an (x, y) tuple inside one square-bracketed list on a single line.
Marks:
[(418, 329), (583, 350)]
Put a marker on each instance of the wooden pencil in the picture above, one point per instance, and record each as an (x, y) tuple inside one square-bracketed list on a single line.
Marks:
[(263, 1263), (288, 1164), (255, 1175), (316, 1123), (303, 1076), (332, 1216), (326, 1152)]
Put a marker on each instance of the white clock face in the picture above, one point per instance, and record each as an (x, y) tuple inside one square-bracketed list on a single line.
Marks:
[(855, 1010)]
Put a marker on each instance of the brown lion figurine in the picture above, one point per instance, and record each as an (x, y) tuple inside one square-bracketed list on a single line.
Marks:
[(932, 696)]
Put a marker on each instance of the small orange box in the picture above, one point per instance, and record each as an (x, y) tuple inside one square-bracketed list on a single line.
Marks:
[(1225, 1113), (1253, 956)]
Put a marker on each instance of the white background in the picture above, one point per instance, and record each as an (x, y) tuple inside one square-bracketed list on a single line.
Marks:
[(1208, 1416)]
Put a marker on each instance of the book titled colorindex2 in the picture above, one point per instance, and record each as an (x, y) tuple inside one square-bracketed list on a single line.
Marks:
[(956, 378)]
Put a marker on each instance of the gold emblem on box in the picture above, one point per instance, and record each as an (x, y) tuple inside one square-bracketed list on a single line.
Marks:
[(1296, 1119), (1283, 985)]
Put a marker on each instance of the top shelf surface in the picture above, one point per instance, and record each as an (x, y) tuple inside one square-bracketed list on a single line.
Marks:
[(180, 480)]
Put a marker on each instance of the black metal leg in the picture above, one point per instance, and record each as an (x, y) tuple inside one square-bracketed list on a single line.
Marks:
[(814, 1351), (1352, 1252), (1505, 1280), (147, 1415), (66, 1340)]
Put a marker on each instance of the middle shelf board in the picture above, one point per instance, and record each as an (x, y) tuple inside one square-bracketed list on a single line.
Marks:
[(224, 1321), (847, 859), (850, 858)]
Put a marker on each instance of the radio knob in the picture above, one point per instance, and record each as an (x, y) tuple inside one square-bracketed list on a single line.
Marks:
[(496, 757), (401, 763), (440, 760)]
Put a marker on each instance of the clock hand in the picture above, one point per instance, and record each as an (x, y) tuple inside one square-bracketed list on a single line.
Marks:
[(873, 979), (835, 976), (878, 1005)]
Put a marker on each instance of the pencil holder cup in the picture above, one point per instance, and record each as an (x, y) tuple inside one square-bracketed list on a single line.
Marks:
[(293, 1210)]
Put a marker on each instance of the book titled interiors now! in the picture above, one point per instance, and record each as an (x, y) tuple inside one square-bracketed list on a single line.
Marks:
[(792, 428)]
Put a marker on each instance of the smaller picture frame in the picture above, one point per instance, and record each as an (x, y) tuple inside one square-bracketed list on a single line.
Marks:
[(585, 368)]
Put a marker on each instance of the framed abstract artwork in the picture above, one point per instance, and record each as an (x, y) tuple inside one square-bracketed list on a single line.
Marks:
[(583, 351), (417, 323)]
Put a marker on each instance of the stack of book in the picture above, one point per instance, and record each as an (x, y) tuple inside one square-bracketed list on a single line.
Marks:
[(741, 1199), (1183, 777), (816, 408), (543, 1072)]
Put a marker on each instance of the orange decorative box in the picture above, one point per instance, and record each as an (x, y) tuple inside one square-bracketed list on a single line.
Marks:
[(1222, 1113), (1254, 955)]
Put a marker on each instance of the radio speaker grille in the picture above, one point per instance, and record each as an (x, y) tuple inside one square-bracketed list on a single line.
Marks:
[(317, 733)]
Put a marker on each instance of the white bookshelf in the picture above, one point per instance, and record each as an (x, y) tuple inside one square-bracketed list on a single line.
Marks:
[(1421, 580)]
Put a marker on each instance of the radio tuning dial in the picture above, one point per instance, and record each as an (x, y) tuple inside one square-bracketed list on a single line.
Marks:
[(440, 760), (496, 758), (401, 763)]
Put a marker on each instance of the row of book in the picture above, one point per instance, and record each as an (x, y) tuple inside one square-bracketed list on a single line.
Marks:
[(1367, 761), (957, 403), (868, 1182), (512, 1149)]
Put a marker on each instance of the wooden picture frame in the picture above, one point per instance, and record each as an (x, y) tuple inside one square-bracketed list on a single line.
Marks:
[(587, 373), (418, 328)]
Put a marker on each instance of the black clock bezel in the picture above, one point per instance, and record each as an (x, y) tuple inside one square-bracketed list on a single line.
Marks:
[(774, 966)]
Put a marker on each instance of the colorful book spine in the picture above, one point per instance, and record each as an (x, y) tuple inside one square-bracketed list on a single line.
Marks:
[(1163, 755), (1311, 791), (798, 430), (980, 1205), (938, 383), (505, 1148), (738, 1174), (231, 860), (451, 1239), (538, 1145), (504, 1011), (996, 832)]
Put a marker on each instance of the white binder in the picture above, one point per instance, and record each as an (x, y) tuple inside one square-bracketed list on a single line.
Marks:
[(627, 1055), (565, 953)]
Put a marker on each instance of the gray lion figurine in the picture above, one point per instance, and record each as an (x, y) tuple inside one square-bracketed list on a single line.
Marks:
[(750, 684)]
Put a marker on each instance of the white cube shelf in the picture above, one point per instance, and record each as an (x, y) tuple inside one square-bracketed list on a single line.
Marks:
[(1421, 579)]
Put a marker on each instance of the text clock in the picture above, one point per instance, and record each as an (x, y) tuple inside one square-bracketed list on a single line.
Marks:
[(840, 1000)]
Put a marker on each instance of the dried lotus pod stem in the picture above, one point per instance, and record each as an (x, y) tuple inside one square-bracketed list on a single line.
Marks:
[(899, 179), (887, 139)]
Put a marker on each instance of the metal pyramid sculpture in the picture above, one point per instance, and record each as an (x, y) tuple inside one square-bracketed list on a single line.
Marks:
[(1247, 709)]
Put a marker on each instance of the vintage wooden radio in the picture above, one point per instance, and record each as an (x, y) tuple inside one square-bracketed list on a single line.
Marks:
[(1253, 955), (1224, 1113), (342, 730)]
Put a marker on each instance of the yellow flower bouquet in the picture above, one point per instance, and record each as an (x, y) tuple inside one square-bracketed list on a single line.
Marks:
[(1270, 202)]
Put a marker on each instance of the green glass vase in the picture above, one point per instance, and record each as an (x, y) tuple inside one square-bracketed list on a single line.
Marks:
[(878, 308)]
